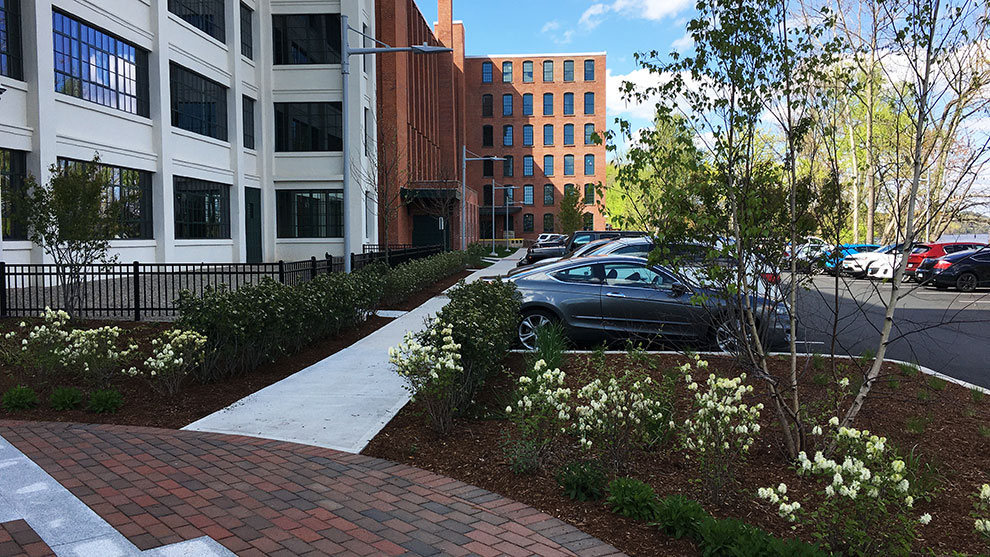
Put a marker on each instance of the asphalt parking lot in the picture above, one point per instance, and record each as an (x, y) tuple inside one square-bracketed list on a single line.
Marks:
[(945, 330)]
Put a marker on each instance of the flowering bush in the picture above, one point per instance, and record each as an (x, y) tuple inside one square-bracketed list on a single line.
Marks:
[(94, 354), (867, 499), (981, 512), (720, 430), (430, 364), (42, 344), (174, 356), (540, 415), (614, 415)]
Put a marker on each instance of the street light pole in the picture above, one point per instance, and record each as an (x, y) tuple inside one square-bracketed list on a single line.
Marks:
[(494, 189), (345, 69), (464, 161)]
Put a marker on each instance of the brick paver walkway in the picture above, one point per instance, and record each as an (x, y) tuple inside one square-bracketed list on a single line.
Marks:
[(18, 538), (261, 497)]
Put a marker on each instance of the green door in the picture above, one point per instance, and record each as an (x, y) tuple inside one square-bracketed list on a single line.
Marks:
[(252, 224), (429, 230)]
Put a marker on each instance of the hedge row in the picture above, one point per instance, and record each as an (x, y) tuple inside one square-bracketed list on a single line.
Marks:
[(256, 324)]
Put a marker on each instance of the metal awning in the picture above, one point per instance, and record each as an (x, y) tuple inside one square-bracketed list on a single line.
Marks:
[(416, 194), (486, 211)]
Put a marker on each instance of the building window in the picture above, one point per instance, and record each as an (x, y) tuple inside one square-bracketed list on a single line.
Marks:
[(487, 136), (589, 134), (589, 103), (548, 190), (130, 191), (548, 222), (205, 15), (568, 165), (488, 168), (589, 221), (509, 195), (10, 40), (308, 127), (528, 71), (568, 70), (548, 165), (306, 39), (568, 104), (486, 72), (12, 176), (248, 109), (568, 189), (528, 222), (528, 165), (589, 165), (369, 140), (98, 67), (202, 209), (487, 106), (528, 104), (366, 39), (247, 32), (310, 213), (507, 104), (548, 134), (528, 194), (589, 194), (548, 104), (589, 70), (506, 72), (507, 136), (528, 135), (568, 134), (548, 70), (508, 166), (199, 104)]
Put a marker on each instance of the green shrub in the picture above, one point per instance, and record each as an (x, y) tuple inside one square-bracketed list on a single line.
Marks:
[(909, 370), (680, 517), (937, 383), (633, 499), (551, 342), (65, 398), (720, 537), (976, 395), (105, 401), (582, 481), (408, 278), (20, 397)]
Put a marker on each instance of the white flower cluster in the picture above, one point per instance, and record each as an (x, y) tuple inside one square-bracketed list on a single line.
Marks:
[(982, 513), (785, 508), (543, 393), (613, 406), (721, 421), (54, 344), (431, 363), (173, 356)]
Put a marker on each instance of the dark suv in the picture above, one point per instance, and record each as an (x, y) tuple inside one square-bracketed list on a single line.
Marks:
[(537, 252)]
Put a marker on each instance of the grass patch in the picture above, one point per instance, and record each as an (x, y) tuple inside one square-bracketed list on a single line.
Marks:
[(969, 412), (923, 395), (917, 424), (937, 384), (909, 370), (893, 384), (817, 361), (976, 396), (984, 431), (821, 379)]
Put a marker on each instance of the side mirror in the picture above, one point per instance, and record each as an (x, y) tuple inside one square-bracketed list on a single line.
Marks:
[(677, 290)]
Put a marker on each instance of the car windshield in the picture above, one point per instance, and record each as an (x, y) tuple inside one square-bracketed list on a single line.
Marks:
[(920, 249), (887, 249)]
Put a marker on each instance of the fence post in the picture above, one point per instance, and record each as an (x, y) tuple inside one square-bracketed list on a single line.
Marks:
[(137, 291), (312, 267), (281, 271), (352, 260), (329, 262), (3, 289)]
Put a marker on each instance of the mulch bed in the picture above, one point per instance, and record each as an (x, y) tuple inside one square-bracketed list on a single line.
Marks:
[(144, 407), (949, 440)]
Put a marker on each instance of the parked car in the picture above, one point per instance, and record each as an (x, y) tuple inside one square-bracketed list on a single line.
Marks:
[(858, 264), (548, 237), (583, 250), (964, 270), (539, 252), (615, 296), (833, 262), (934, 251), (810, 255)]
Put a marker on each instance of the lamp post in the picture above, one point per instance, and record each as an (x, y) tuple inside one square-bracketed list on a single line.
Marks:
[(494, 187), (345, 69), (464, 161)]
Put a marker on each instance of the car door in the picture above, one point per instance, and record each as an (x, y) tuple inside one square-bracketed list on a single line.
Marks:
[(638, 299), (576, 293)]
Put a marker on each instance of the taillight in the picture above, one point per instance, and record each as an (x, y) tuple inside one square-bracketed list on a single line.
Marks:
[(943, 265), (771, 278)]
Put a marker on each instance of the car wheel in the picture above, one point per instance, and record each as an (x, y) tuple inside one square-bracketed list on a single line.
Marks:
[(966, 282), (530, 324), (726, 335)]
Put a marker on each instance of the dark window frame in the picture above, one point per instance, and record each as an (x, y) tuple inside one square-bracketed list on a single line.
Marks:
[(13, 174), (548, 133), (507, 104), (506, 75), (487, 71), (215, 200), (568, 70), (247, 32), (247, 113), (507, 135), (508, 166), (548, 164), (527, 106), (487, 136), (528, 165), (548, 108), (487, 106), (549, 192), (198, 90), (590, 158), (548, 222), (548, 65), (528, 223), (11, 58), (324, 217), (568, 133), (568, 165), (589, 194), (211, 22), (527, 75), (589, 70), (132, 189), (589, 138), (589, 107), (324, 117), (568, 104), (529, 194), (528, 135), (304, 39)]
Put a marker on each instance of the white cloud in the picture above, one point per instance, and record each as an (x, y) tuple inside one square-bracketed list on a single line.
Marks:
[(616, 106), (653, 10), (593, 16), (550, 26), (552, 30), (684, 43)]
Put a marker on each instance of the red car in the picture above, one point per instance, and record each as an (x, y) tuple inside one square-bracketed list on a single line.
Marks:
[(934, 251)]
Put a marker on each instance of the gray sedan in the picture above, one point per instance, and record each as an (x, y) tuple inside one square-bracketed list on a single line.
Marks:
[(605, 297)]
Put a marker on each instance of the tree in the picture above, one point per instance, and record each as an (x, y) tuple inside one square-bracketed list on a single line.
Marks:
[(384, 178), (73, 220), (571, 212)]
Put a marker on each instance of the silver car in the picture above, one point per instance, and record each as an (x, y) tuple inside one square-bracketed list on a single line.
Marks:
[(614, 296)]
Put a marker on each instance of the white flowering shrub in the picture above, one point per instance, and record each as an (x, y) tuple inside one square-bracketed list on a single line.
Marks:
[(981, 512), (720, 430), (173, 358), (430, 363), (612, 415), (41, 345), (540, 415), (866, 499)]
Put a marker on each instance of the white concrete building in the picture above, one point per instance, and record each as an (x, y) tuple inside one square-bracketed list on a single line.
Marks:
[(223, 116)]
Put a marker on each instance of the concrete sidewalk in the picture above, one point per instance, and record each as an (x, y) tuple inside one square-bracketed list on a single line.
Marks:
[(340, 402)]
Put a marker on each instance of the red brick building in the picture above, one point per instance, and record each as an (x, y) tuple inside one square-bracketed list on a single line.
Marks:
[(538, 111)]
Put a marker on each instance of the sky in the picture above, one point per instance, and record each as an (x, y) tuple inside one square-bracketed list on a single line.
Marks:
[(619, 27)]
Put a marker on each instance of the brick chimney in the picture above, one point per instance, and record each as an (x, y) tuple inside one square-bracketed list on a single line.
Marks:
[(445, 22)]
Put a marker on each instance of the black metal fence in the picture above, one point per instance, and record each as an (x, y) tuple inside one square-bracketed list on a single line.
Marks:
[(149, 291)]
